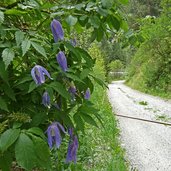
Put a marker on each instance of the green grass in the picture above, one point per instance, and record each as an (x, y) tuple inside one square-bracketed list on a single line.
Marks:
[(100, 147), (144, 103)]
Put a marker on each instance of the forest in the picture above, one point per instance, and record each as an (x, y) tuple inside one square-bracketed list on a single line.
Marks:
[(57, 58)]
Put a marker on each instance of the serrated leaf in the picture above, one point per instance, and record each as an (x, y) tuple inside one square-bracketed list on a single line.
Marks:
[(24, 152), (39, 49), (25, 46), (8, 56), (19, 36), (32, 86), (71, 20), (1, 17), (60, 89), (8, 138), (3, 104)]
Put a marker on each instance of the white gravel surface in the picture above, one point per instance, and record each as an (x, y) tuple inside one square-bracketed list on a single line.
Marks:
[(147, 145)]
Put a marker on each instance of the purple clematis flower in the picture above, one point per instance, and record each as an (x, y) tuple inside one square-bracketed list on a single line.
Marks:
[(87, 94), (38, 74), (53, 133), (72, 150), (46, 99), (62, 61), (57, 30)]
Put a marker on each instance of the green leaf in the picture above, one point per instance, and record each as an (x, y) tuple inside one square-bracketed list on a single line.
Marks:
[(85, 56), (115, 22), (8, 56), (3, 104), (1, 17), (39, 49), (124, 1), (14, 12), (100, 82), (100, 33), (19, 36), (87, 118), (84, 73), (95, 21), (8, 138), (60, 89), (32, 86), (102, 12), (5, 161), (9, 92), (74, 77), (43, 153), (24, 79), (3, 72), (79, 122), (38, 118), (71, 20), (37, 131), (24, 152), (107, 3), (25, 46)]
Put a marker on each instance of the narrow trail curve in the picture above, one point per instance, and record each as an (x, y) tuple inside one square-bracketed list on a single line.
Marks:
[(147, 145)]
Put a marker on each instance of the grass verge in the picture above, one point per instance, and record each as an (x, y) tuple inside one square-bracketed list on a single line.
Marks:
[(100, 148)]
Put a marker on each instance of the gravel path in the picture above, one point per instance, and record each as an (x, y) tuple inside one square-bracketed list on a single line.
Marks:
[(148, 145)]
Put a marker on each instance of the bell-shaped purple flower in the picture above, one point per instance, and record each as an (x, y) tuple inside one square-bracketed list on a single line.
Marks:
[(87, 94), (46, 99), (57, 31), (38, 74), (62, 61), (72, 150), (53, 133)]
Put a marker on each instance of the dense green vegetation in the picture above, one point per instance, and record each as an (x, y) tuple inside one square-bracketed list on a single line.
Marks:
[(100, 148), (47, 79), (150, 67)]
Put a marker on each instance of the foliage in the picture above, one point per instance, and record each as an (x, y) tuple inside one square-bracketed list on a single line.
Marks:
[(100, 146), (26, 44), (116, 66), (150, 69)]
